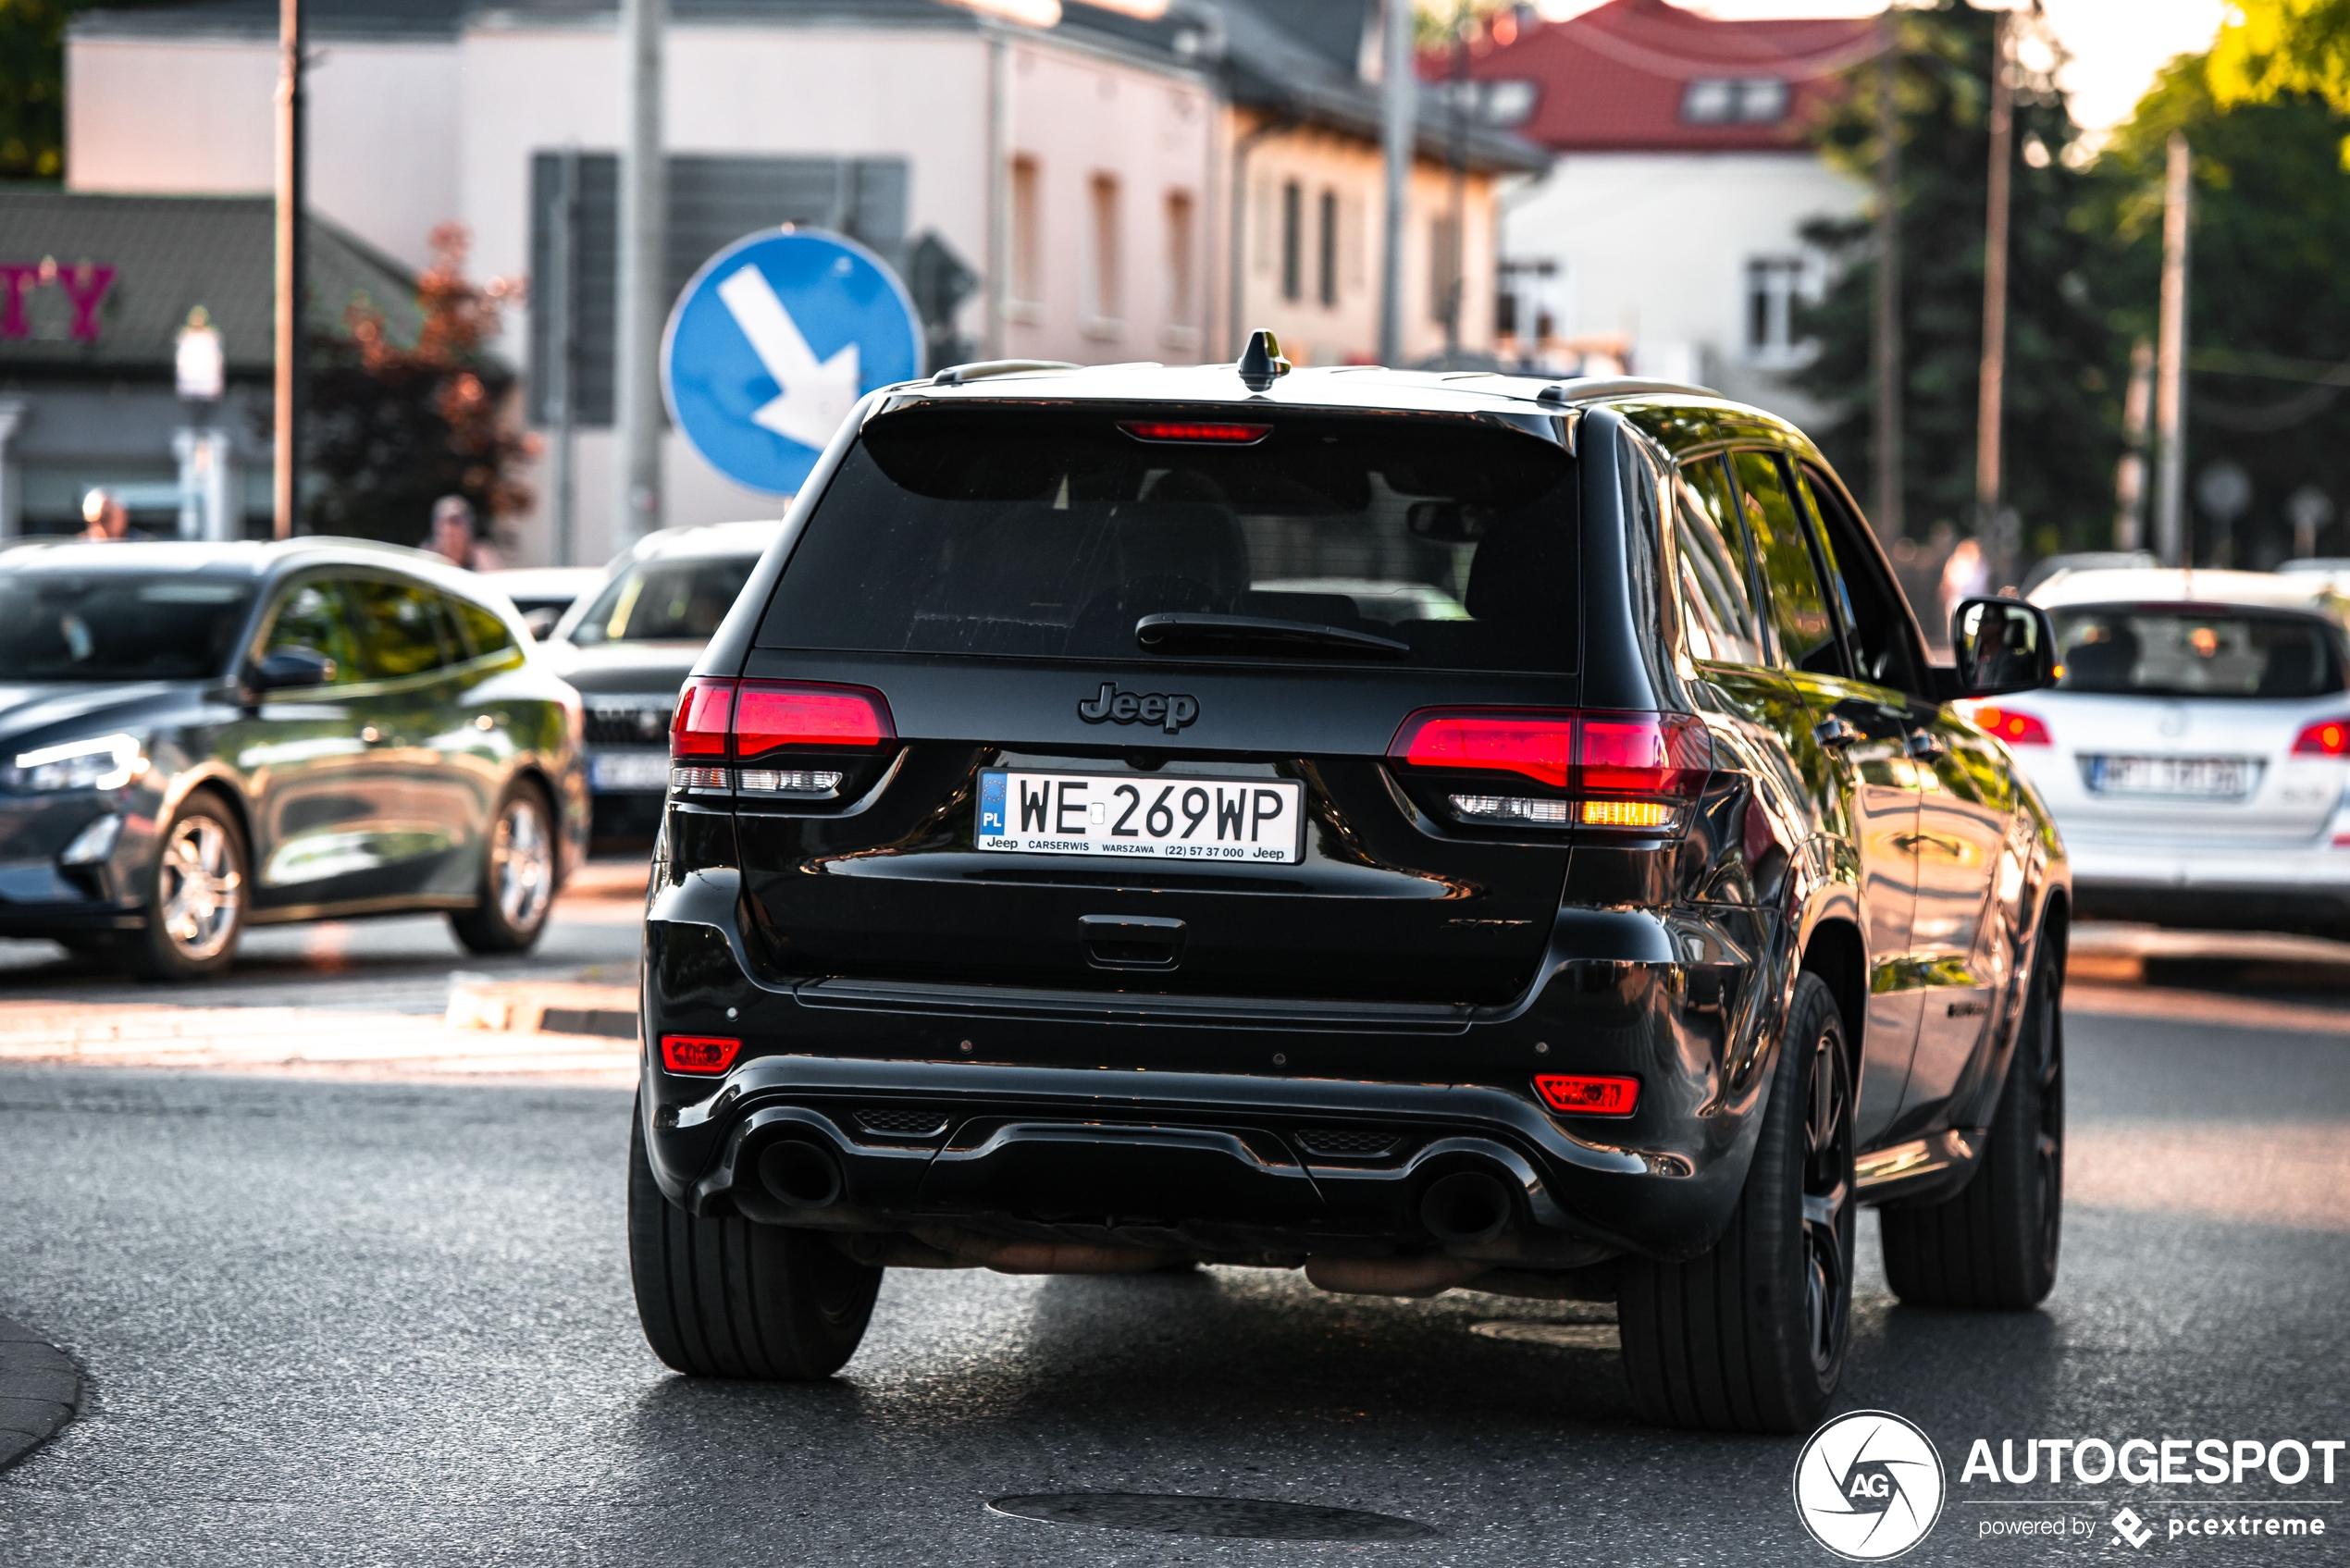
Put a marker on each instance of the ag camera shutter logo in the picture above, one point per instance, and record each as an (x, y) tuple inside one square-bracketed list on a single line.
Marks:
[(1869, 1485)]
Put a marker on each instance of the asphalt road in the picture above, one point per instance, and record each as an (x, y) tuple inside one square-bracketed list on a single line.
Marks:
[(328, 1323)]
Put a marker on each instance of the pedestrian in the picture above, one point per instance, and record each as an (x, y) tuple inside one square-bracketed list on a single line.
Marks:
[(108, 520), (1965, 576), (454, 535)]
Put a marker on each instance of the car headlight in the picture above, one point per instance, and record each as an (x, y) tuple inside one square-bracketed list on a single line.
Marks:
[(102, 762)]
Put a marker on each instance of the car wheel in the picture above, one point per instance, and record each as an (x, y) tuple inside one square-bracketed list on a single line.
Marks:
[(195, 911), (726, 1298), (517, 876), (1750, 1336), (1994, 1243)]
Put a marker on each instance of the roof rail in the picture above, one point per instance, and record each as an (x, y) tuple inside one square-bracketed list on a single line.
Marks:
[(979, 370), (1579, 388)]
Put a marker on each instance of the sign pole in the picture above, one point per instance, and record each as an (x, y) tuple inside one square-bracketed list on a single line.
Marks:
[(643, 256), (285, 387), (1395, 138)]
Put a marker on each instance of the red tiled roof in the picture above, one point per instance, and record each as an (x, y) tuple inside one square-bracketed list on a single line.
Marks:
[(1613, 78)]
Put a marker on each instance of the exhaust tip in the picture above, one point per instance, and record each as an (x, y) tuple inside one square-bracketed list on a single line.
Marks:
[(1466, 1207), (800, 1175)]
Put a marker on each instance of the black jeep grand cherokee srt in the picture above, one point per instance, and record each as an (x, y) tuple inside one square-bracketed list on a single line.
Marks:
[(1432, 830)]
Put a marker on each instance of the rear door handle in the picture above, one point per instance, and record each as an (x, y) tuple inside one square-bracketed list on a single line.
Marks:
[(1836, 732)]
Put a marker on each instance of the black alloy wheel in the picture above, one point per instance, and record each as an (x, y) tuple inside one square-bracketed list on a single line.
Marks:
[(1750, 1335), (1993, 1245)]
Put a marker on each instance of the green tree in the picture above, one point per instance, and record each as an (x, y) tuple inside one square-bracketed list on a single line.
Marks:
[(393, 427), (2269, 286), (2273, 49), (2063, 399), (32, 87)]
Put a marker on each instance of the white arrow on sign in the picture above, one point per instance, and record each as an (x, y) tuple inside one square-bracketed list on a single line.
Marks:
[(815, 398)]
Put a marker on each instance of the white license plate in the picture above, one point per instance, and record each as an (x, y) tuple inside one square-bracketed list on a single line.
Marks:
[(1260, 821), (2210, 776), (644, 772)]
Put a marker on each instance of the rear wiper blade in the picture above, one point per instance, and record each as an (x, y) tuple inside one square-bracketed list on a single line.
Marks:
[(1158, 632)]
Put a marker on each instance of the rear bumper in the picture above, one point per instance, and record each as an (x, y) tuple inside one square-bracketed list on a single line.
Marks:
[(1222, 1127), (2269, 886)]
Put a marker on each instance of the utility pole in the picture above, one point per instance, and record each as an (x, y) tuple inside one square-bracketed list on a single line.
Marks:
[(2171, 369), (286, 389), (1395, 142), (2129, 475), (563, 352), (1991, 385), (643, 247), (1889, 283)]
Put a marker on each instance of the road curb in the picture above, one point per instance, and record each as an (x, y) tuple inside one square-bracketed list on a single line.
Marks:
[(38, 1390)]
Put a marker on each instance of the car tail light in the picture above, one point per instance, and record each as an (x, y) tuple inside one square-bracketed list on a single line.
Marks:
[(700, 1054), (2016, 729), (699, 727), (1580, 1095), (1630, 769), (1194, 430), (769, 714), (2327, 737)]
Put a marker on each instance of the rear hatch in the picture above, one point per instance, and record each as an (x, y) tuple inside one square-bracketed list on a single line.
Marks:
[(1134, 674), (2198, 723)]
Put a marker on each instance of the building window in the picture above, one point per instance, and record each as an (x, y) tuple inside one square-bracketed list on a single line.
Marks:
[(1352, 239), (1028, 239), (1772, 284), (1105, 307), (1292, 240), (1182, 313), (1444, 269), (1325, 253), (1757, 100)]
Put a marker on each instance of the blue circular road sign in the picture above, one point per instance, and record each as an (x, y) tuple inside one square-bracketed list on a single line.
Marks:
[(773, 343)]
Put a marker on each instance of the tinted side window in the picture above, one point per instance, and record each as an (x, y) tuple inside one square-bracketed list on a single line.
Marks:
[(1799, 617), (1717, 604), (398, 626), (484, 632), (314, 615), (1883, 644)]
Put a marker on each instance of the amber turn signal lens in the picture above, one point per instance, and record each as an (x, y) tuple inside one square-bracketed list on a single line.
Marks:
[(1588, 1096), (701, 1053)]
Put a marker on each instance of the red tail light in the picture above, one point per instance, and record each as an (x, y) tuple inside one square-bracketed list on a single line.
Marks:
[(761, 716), (701, 1053), (2327, 737), (771, 713), (1588, 1096), (699, 728), (2016, 729), (1176, 430), (1647, 754)]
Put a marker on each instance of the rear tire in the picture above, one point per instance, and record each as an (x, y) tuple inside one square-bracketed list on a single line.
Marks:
[(1993, 1245), (1750, 1336), (726, 1298), (517, 876), (195, 911)]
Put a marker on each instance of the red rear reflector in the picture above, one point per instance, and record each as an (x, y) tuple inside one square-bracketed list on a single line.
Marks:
[(2327, 737), (1588, 1096), (1181, 431), (2016, 729), (699, 1053), (773, 713), (699, 727), (1652, 753)]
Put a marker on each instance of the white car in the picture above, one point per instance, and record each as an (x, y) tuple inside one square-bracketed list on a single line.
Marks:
[(2195, 747)]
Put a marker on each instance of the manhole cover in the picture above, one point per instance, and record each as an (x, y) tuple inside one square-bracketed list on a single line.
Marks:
[(1247, 1518), (1558, 1336)]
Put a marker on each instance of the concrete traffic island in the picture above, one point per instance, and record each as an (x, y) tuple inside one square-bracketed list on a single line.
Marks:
[(39, 1389)]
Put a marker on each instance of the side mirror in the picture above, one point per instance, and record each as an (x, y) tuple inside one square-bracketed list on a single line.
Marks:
[(2003, 645), (290, 668)]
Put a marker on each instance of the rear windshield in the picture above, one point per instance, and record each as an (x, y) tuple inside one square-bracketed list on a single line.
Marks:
[(117, 625), (1064, 535), (680, 601), (2158, 651)]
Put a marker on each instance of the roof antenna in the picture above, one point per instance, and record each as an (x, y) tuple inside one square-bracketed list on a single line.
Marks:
[(1261, 362)]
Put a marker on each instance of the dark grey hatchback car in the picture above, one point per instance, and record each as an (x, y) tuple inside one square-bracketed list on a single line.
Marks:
[(197, 737), (1427, 831)]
